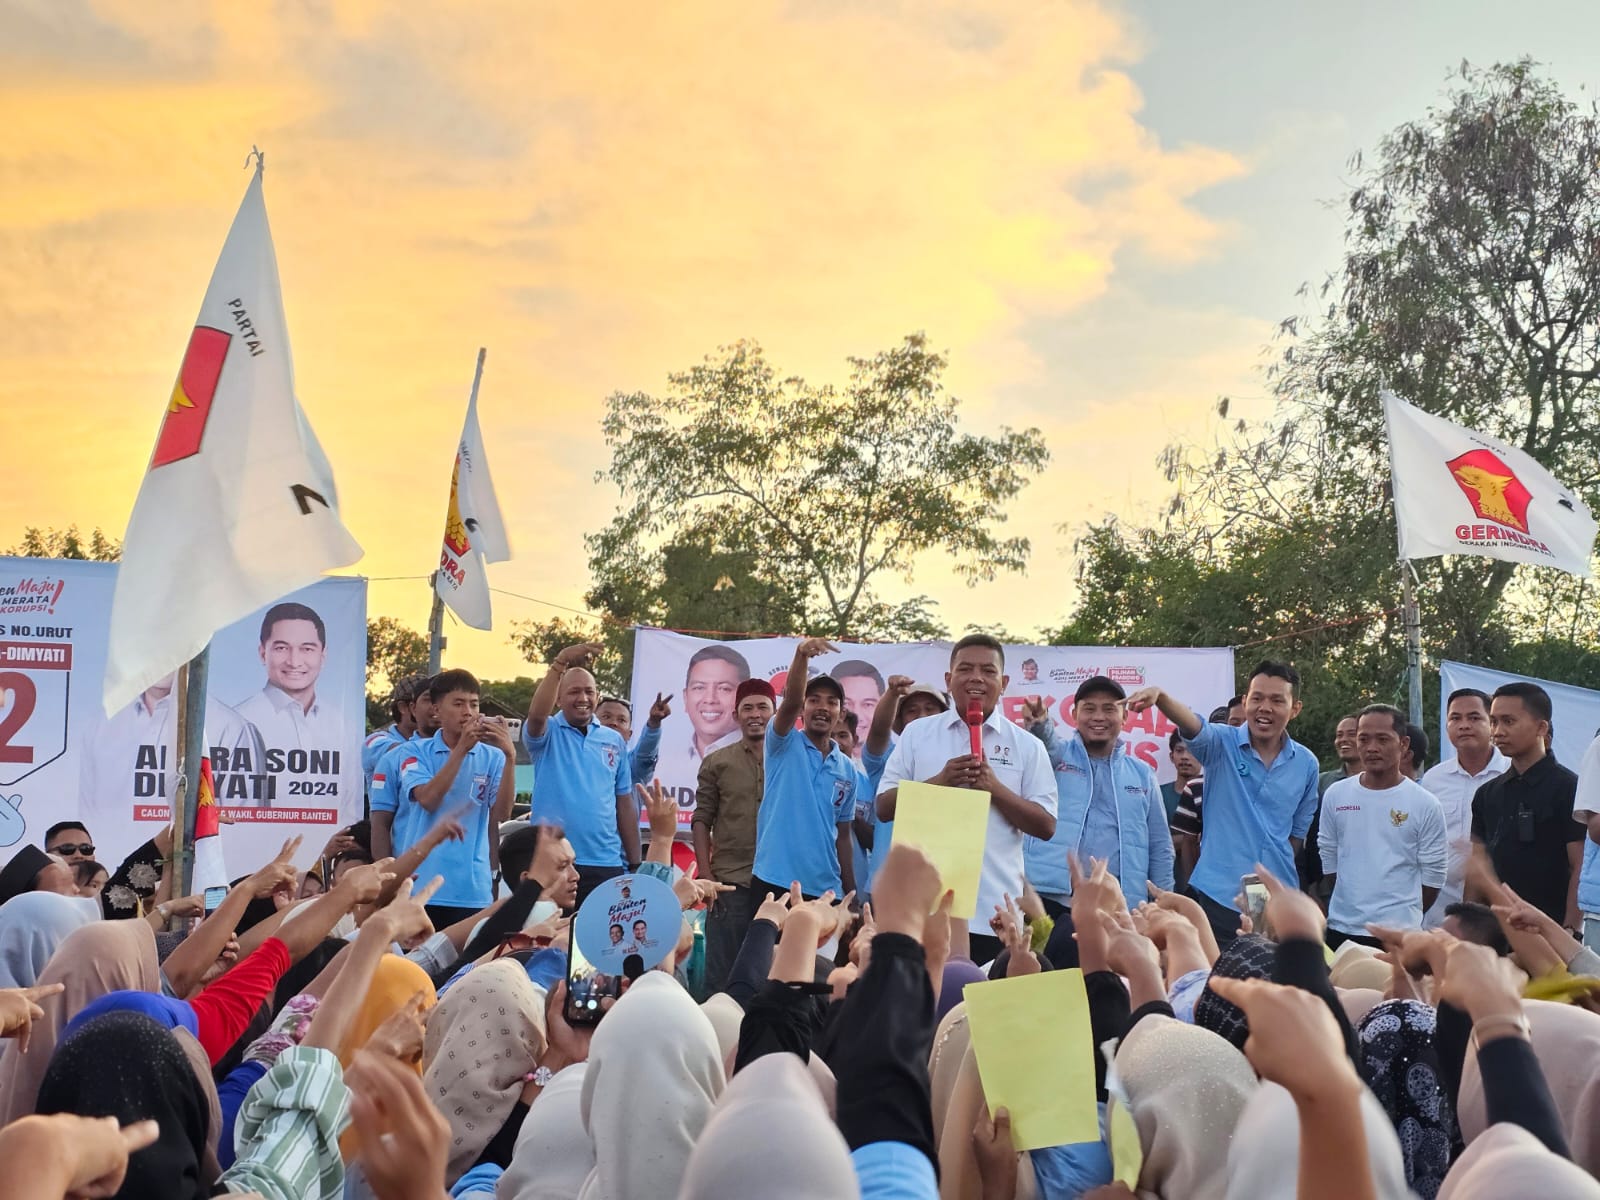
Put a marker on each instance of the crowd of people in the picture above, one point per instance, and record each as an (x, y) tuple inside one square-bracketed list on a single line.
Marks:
[(1379, 980)]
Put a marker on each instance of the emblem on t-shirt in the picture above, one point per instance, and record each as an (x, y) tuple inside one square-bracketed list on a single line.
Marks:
[(1397, 817), (610, 753), (1001, 754)]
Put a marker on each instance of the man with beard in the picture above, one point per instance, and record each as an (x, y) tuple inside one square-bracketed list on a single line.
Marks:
[(1109, 805), (1013, 769), (727, 802), (582, 780), (808, 795)]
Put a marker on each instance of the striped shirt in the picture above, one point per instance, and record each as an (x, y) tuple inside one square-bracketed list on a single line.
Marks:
[(288, 1130)]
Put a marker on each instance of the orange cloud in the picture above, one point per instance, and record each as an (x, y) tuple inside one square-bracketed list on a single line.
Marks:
[(599, 195)]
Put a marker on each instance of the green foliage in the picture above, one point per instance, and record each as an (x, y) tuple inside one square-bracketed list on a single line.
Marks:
[(754, 503), (67, 543), (510, 695), (540, 641), (394, 650), (1471, 287)]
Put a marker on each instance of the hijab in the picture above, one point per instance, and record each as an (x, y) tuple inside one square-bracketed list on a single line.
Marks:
[(1264, 1160), (32, 925), (655, 1071), (1401, 1065), (738, 1156), (170, 1013), (393, 984), (725, 1015), (483, 1039), (950, 1042), (1186, 1088), (1247, 957), (554, 1153), (101, 957), (956, 1108), (1357, 966), (125, 1065), (17, 876), (1506, 1160), (1566, 1041), (958, 972), (1357, 1003)]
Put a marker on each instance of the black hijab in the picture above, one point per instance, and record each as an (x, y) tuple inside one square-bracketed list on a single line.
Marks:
[(18, 875), (125, 1065)]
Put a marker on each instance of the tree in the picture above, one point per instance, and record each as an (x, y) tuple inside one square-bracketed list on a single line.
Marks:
[(753, 498), (540, 641), (1469, 286), (394, 651), (67, 543)]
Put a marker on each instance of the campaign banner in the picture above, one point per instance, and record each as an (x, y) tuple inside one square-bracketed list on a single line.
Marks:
[(701, 676), (285, 717), (1577, 710)]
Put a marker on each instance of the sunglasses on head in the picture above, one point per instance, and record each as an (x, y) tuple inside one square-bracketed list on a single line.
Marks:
[(69, 848)]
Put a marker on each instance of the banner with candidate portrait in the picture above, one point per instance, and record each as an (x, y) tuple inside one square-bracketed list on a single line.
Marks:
[(285, 716), (701, 676)]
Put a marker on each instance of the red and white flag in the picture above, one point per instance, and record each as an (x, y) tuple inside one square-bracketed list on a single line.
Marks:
[(474, 530), (1457, 491), (238, 504), (209, 868)]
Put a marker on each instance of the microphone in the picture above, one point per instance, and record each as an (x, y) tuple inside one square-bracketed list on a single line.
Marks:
[(975, 727)]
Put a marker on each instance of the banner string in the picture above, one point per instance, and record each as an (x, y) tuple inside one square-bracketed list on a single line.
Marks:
[(1340, 624)]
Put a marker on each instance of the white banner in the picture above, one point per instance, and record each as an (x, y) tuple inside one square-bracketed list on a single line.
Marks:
[(701, 676), (1577, 710), (285, 718)]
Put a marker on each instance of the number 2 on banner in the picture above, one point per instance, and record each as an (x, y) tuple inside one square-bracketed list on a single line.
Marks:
[(18, 696)]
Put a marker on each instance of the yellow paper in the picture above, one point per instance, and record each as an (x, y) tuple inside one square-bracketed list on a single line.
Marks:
[(1127, 1155), (1035, 1055), (949, 825)]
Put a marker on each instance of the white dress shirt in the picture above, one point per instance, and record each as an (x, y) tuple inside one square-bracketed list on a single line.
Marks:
[(285, 724), (1019, 761), (1454, 787)]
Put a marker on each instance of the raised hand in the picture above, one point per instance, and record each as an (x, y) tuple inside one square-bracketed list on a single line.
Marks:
[(812, 647), (364, 884), (660, 710), (1294, 1040), (1008, 926), (897, 686), (1290, 913), (19, 1009), (401, 1034), (405, 1140), (582, 654), (906, 891), (450, 828), (1144, 698), (277, 874), (1035, 710), (774, 909), (996, 1152), (661, 809)]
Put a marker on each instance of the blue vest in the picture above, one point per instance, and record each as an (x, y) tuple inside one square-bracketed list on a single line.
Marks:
[(1132, 783), (1589, 881)]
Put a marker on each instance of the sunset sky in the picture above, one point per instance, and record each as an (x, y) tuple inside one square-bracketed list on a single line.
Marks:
[(1100, 211)]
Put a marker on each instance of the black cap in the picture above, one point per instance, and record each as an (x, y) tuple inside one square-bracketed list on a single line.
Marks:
[(825, 683), (1099, 685)]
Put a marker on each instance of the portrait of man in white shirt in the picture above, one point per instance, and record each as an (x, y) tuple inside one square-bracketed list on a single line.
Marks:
[(294, 649)]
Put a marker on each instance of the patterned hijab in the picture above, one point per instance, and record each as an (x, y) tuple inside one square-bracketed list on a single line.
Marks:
[(483, 1038), (101, 957), (1401, 1066), (1247, 957)]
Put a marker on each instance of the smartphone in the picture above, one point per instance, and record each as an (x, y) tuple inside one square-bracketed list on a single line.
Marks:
[(214, 897), (588, 989), (1255, 899)]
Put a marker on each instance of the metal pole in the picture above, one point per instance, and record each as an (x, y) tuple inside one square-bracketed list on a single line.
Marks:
[(435, 626), (1413, 620), (191, 748)]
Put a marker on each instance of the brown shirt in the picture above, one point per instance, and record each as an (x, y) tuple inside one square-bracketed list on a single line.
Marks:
[(727, 798)]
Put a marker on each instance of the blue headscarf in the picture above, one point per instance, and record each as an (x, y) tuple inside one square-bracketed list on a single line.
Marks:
[(170, 1013)]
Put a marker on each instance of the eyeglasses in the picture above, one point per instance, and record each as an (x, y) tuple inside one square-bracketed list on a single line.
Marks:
[(69, 848)]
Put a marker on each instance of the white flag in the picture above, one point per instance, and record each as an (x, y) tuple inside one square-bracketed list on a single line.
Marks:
[(474, 530), (238, 504), (1461, 492)]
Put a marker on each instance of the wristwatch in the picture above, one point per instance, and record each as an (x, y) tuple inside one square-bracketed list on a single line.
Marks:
[(542, 1075)]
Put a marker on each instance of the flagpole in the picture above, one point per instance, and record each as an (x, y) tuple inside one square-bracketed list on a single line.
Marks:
[(191, 748), (435, 626), (1413, 622)]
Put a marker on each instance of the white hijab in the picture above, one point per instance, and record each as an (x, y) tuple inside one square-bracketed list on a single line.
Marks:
[(655, 1071), (1507, 1161), (771, 1136), (1264, 1160), (554, 1154)]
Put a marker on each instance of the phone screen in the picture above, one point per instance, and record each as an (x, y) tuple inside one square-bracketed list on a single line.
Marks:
[(588, 989), (214, 897), (1255, 899)]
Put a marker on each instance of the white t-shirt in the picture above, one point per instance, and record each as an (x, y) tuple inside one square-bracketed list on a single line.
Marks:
[(1455, 787), (1019, 761), (1385, 845)]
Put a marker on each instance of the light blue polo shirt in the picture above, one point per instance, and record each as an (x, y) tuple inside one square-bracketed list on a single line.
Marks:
[(1251, 811), (379, 742), (646, 754), (384, 791), (464, 864), (581, 772), (872, 766), (807, 797)]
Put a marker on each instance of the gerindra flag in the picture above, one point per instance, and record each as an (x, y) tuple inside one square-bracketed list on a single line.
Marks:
[(474, 530), (238, 504), (1460, 492)]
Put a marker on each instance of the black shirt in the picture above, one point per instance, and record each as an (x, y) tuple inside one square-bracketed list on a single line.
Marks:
[(1525, 821)]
